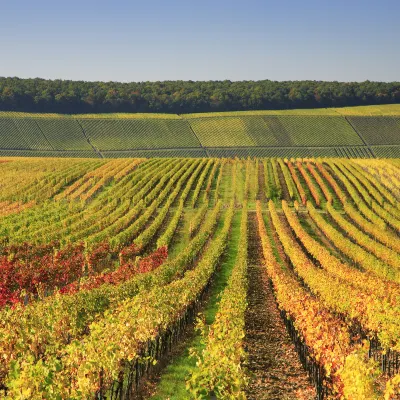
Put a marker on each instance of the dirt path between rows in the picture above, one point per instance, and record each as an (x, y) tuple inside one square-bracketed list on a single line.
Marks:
[(261, 183), (285, 190), (274, 366)]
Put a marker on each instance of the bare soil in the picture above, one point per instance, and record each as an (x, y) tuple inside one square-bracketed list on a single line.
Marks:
[(274, 366)]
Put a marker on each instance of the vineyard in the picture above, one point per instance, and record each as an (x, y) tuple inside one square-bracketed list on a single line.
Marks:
[(180, 278), (353, 132)]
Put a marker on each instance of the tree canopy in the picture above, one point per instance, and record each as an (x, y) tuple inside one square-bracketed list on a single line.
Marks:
[(64, 96)]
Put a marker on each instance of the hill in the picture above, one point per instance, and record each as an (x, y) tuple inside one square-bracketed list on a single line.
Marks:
[(367, 131)]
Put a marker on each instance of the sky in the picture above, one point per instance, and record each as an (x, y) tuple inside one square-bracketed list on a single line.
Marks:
[(155, 40)]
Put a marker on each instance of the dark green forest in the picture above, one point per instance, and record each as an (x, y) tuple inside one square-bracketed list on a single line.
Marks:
[(63, 96)]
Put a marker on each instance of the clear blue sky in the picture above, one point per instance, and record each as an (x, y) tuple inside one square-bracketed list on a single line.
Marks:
[(345, 40)]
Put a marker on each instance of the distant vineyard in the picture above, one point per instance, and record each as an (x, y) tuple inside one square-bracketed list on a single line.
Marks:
[(274, 131), (377, 130), (124, 134), (350, 132), (105, 265)]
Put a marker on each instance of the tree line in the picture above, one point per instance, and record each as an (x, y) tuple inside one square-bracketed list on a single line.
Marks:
[(65, 96)]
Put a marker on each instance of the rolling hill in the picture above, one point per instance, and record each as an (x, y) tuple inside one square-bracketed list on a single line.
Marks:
[(364, 132)]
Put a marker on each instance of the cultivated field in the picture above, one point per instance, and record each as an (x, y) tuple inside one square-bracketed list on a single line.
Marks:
[(351, 132), (289, 269)]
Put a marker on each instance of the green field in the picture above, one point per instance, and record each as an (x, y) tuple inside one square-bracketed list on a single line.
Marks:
[(361, 132)]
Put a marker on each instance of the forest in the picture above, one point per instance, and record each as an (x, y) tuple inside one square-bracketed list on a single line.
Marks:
[(66, 96)]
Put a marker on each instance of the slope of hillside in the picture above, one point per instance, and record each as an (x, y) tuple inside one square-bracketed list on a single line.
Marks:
[(371, 131)]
